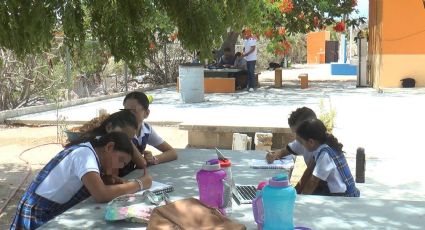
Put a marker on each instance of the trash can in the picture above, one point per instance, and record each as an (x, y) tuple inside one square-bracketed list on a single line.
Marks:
[(191, 82)]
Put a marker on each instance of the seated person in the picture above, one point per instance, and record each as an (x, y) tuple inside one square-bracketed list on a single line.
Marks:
[(240, 62), (138, 103), (227, 59), (331, 175), (73, 175)]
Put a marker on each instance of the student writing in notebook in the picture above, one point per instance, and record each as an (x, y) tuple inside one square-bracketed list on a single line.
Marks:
[(331, 174), (294, 147), (121, 121), (73, 175)]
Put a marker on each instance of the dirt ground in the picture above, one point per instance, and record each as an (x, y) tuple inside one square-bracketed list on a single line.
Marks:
[(14, 140)]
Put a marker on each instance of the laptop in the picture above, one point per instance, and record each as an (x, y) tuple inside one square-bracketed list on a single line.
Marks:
[(242, 194)]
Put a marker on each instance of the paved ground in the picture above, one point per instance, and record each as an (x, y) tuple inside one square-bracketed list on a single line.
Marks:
[(389, 125)]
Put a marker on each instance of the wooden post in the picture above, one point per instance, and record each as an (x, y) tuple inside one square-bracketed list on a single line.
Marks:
[(278, 78), (303, 80)]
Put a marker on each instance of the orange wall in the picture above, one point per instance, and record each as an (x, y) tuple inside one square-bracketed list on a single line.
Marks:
[(396, 42), (403, 30), (316, 46)]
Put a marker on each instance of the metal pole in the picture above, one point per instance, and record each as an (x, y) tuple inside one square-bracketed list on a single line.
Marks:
[(165, 64), (126, 77), (68, 71)]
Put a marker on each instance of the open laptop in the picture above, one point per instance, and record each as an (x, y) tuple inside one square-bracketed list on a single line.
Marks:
[(242, 194)]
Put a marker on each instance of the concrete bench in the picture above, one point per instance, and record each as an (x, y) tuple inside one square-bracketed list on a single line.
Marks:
[(221, 136)]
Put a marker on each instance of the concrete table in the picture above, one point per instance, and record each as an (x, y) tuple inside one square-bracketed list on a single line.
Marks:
[(315, 212)]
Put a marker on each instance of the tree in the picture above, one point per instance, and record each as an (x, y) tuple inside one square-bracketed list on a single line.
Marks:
[(128, 28), (284, 18)]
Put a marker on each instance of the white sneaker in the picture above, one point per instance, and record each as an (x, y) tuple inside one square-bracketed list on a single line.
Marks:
[(251, 90)]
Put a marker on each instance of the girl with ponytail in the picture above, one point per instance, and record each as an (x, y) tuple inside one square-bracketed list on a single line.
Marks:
[(331, 174), (73, 175)]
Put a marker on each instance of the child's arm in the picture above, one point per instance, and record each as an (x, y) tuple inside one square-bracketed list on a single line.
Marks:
[(276, 154), (310, 185), (168, 154), (104, 193), (307, 174), (138, 158)]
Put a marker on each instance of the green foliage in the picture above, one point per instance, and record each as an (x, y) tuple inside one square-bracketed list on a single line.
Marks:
[(129, 29), (327, 115)]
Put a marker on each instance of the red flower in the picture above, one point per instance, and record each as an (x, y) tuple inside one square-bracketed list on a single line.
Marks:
[(268, 33), (286, 6), (151, 45), (353, 3), (340, 27), (301, 16), (281, 31)]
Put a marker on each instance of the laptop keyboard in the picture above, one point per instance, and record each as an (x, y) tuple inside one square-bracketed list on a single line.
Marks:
[(245, 193)]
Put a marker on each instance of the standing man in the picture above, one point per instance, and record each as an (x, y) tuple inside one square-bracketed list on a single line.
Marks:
[(250, 54)]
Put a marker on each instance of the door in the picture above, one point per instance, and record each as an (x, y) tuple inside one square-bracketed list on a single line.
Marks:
[(331, 51)]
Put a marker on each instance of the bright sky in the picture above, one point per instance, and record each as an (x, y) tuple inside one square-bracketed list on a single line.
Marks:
[(363, 7)]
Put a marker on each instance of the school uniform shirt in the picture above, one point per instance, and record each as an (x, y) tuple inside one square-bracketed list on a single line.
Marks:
[(247, 45), (326, 170), (297, 148), (65, 179), (153, 140)]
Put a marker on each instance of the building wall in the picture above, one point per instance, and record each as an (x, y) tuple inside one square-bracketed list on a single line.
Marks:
[(316, 46), (397, 42)]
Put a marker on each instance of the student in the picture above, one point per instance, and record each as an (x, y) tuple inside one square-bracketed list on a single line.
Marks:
[(227, 59), (295, 147), (138, 104), (122, 121), (75, 174), (240, 62), (331, 174)]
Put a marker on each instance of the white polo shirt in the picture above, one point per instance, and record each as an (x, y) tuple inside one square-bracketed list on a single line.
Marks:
[(299, 149), (153, 140), (326, 170), (64, 181), (248, 43)]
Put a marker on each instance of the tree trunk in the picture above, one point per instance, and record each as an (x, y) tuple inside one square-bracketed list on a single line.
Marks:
[(230, 41)]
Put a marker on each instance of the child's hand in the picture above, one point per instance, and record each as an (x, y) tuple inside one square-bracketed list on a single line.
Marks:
[(146, 180), (149, 157), (270, 157)]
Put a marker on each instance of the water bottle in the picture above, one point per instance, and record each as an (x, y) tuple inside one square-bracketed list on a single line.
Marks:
[(278, 203), (229, 186), (257, 206), (211, 186)]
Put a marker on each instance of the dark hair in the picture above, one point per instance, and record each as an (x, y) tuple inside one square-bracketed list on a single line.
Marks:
[(238, 54), (316, 130), (121, 140), (227, 49), (300, 115), (141, 98), (121, 119)]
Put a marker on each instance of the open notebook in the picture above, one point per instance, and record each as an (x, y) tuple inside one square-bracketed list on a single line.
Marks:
[(158, 188), (284, 163)]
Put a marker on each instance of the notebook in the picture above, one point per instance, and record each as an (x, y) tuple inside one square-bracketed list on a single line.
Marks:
[(158, 188), (243, 194), (284, 163)]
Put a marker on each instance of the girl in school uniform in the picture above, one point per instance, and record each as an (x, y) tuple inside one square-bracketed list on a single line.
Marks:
[(75, 174), (138, 103), (331, 174), (121, 121)]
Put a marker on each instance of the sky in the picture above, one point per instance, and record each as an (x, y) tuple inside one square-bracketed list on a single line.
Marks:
[(363, 6)]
